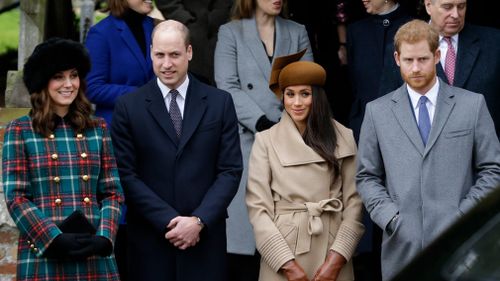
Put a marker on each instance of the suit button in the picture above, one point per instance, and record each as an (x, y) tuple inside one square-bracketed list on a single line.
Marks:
[(58, 201), (57, 179), (249, 86), (86, 200), (54, 156), (83, 155), (35, 249), (79, 136), (85, 177), (32, 246), (51, 136)]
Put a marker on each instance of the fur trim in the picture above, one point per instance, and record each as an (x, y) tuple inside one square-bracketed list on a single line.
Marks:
[(52, 56)]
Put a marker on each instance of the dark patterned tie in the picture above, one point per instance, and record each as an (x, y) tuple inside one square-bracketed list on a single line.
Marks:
[(175, 112), (424, 122)]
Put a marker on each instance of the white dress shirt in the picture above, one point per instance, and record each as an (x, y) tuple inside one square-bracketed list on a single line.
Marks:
[(431, 100), (181, 97)]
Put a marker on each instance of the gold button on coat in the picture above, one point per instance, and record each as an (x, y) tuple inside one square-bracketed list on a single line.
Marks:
[(85, 177), (83, 155), (54, 156), (51, 136), (58, 201), (86, 200), (57, 179), (79, 136)]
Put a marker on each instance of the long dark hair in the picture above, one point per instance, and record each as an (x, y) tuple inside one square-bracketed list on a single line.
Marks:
[(42, 114), (320, 132)]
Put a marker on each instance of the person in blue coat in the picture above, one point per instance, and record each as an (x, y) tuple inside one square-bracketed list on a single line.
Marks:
[(119, 51)]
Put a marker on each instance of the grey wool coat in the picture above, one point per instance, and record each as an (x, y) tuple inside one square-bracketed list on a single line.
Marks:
[(242, 68), (429, 186)]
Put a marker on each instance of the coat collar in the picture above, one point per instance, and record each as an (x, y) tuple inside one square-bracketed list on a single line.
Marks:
[(292, 150), (468, 52), (129, 40), (403, 113), (254, 43), (194, 110)]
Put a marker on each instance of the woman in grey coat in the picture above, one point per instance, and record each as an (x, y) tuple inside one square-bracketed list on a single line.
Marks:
[(245, 50)]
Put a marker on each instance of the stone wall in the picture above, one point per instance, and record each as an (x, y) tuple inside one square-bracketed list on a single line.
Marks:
[(8, 230)]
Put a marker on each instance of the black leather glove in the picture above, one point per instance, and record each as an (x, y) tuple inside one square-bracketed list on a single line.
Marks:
[(94, 245), (65, 243), (263, 124)]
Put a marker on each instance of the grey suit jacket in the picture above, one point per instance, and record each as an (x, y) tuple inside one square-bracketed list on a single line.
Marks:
[(242, 68), (429, 186), (477, 68)]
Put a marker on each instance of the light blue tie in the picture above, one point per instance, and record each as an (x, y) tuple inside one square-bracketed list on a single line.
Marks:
[(424, 122)]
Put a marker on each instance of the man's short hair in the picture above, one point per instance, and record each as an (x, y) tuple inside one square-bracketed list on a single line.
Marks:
[(416, 31)]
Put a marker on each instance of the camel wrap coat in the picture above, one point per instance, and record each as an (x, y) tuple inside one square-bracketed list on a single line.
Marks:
[(295, 207)]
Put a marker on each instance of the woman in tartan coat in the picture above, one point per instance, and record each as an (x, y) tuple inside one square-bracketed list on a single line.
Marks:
[(57, 160)]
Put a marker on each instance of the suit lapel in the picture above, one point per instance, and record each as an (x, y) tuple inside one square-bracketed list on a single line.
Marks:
[(444, 106), (440, 73), (282, 46), (131, 43), (468, 51), (156, 106), (403, 111), (253, 42), (194, 109)]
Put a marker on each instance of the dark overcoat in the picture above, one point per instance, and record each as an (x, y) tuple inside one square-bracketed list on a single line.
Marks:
[(370, 51), (165, 177)]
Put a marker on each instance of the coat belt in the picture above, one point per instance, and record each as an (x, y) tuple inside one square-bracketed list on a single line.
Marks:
[(308, 214)]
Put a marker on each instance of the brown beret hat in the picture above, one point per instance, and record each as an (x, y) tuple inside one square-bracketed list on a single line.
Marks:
[(288, 70)]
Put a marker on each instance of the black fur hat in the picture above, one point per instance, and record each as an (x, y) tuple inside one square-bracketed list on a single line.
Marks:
[(52, 56)]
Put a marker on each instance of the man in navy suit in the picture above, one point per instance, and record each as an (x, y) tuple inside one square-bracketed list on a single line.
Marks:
[(477, 50), (177, 144)]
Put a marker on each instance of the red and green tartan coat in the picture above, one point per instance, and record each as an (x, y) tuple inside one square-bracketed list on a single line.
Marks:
[(45, 179)]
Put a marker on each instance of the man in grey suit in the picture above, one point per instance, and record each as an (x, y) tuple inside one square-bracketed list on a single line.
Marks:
[(476, 54), (428, 152)]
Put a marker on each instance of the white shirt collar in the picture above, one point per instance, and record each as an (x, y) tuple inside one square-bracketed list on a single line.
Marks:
[(431, 95), (182, 89)]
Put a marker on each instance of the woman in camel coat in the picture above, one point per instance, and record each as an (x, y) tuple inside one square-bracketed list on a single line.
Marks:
[(301, 194)]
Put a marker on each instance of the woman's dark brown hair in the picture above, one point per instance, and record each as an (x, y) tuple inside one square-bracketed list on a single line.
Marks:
[(320, 132), (78, 115), (117, 7)]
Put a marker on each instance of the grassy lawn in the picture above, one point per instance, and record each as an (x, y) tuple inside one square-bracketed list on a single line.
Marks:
[(9, 26)]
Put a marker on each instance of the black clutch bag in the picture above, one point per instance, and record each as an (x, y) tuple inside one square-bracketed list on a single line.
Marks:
[(77, 223)]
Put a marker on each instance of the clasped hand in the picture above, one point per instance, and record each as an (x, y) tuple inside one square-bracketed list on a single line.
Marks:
[(328, 271), (78, 246), (183, 232)]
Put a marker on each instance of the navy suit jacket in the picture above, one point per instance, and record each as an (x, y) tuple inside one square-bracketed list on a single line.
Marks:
[(118, 64), (164, 177), (477, 68)]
